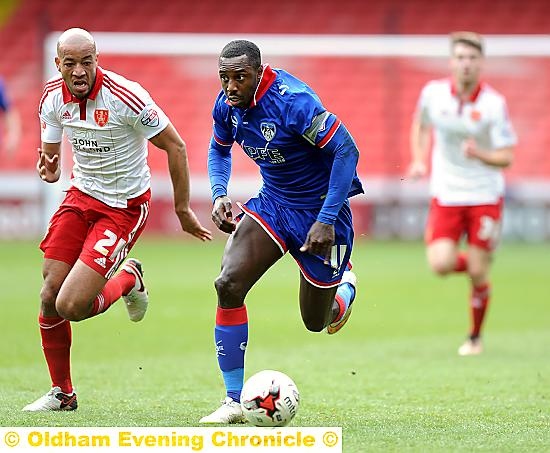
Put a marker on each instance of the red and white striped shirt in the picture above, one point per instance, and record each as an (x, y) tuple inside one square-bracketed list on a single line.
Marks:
[(457, 180), (108, 132)]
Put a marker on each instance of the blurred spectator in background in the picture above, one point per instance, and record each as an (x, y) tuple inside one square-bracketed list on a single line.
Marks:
[(473, 141), (12, 123)]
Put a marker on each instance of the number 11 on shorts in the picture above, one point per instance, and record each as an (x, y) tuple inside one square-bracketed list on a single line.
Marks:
[(336, 254)]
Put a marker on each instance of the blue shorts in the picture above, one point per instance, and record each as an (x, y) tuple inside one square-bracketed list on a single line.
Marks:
[(288, 228)]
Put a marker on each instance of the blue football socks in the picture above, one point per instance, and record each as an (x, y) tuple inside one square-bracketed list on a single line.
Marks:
[(231, 335)]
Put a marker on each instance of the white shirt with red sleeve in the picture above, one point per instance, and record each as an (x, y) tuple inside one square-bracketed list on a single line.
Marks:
[(457, 180), (108, 132)]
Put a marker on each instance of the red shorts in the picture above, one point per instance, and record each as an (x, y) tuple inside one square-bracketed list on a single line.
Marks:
[(99, 235), (481, 224)]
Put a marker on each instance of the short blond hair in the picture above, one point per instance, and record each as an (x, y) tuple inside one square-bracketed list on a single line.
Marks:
[(470, 38)]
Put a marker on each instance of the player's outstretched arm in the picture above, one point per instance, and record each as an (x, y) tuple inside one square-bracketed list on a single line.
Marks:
[(170, 141), (48, 166)]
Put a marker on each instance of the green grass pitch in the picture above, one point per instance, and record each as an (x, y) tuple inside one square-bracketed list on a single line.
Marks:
[(391, 378)]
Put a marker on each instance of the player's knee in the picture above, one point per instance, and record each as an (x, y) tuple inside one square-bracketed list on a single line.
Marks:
[(48, 295), (71, 310), (441, 267), (230, 291), (477, 275)]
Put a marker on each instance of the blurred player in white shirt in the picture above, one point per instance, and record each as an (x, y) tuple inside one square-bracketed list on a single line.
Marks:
[(108, 120), (473, 140)]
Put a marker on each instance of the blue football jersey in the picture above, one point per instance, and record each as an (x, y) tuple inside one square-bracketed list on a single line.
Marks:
[(285, 131)]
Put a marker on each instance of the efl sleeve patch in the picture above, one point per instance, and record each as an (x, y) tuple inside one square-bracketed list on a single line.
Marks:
[(318, 126)]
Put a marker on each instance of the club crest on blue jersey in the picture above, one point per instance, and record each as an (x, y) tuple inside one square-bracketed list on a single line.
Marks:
[(268, 130)]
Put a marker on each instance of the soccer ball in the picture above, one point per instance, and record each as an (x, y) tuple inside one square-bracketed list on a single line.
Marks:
[(270, 398)]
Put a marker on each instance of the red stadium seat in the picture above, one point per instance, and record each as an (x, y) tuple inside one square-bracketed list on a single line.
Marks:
[(375, 97)]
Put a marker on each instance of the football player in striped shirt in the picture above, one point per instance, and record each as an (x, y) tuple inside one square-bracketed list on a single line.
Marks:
[(473, 142), (107, 120)]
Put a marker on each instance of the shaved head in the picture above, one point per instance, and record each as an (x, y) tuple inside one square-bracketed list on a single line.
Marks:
[(76, 60), (75, 37)]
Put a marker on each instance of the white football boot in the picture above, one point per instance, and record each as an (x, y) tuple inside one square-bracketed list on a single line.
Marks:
[(137, 299), (347, 277), (230, 412), (471, 347), (54, 400)]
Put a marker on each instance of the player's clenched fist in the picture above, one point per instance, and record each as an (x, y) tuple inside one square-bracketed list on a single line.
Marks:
[(222, 216)]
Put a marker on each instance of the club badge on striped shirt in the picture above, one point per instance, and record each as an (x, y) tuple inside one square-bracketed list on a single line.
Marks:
[(101, 117)]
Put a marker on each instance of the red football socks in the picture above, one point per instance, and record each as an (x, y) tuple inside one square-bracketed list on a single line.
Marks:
[(56, 343), (478, 306), (120, 284)]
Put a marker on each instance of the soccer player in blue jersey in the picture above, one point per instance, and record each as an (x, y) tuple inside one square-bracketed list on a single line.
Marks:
[(307, 161)]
